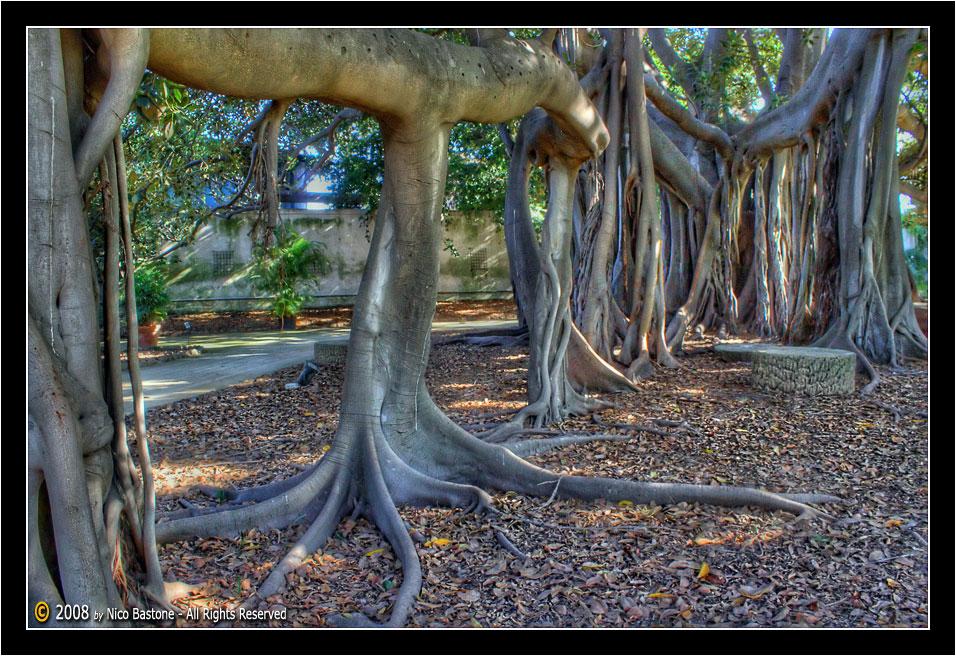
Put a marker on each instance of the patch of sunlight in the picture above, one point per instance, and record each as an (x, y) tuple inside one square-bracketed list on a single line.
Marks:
[(517, 356), (164, 383), (182, 274), (484, 404)]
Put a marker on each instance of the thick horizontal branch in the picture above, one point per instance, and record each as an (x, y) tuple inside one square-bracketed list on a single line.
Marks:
[(687, 122), (785, 125), (675, 170), (389, 73)]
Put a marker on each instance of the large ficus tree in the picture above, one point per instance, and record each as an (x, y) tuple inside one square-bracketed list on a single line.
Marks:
[(704, 210), (92, 525), (808, 243)]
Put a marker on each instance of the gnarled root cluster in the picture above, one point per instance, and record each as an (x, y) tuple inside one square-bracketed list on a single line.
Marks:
[(370, 472)]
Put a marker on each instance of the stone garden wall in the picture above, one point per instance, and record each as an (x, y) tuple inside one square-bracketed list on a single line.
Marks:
[(213, 273)]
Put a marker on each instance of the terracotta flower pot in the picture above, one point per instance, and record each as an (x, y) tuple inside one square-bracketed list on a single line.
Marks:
[(148, 332)]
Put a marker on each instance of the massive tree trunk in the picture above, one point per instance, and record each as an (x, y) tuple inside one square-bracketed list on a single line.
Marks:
[(562, 368), (87, 537), (874, 315), (542, 292)]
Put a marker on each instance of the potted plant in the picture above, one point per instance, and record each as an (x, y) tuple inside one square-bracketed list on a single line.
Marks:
[(152, 301), (280, 269), (286, 306)]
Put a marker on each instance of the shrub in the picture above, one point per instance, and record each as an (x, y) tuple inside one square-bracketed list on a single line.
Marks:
[(278, 269), (152, 299)]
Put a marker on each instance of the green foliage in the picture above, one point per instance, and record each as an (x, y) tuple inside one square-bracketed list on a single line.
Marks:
[(477, 168), (279, 269), (152, 299), (179, 150), (914, 224), (357, 168), (450, 247), (919, 265), (287, 303), (730, 90), (914, 101)]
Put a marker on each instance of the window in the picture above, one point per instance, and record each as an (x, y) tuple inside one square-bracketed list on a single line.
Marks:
[(478, 263), (221, 263)]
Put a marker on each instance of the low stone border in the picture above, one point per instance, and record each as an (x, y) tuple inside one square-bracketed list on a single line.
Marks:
[(324, 353), (804, 370), (738, 352)]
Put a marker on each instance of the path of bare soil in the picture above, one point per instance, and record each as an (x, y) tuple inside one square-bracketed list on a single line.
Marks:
[(687, 565)]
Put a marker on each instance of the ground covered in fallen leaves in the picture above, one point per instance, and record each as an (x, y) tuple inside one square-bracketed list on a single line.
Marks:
[(211, 323), (682, 565)]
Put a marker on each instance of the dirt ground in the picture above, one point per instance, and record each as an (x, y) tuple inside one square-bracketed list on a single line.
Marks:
[(207, 323), (683, 565)]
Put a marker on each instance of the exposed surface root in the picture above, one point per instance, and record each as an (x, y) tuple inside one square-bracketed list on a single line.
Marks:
[(382, 511), (275, 512), (365, 473), (508, 545), (525, 448), (634, 427), (260, 493), (314, 537), (516, 337), (537, 415), (842, 341)]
